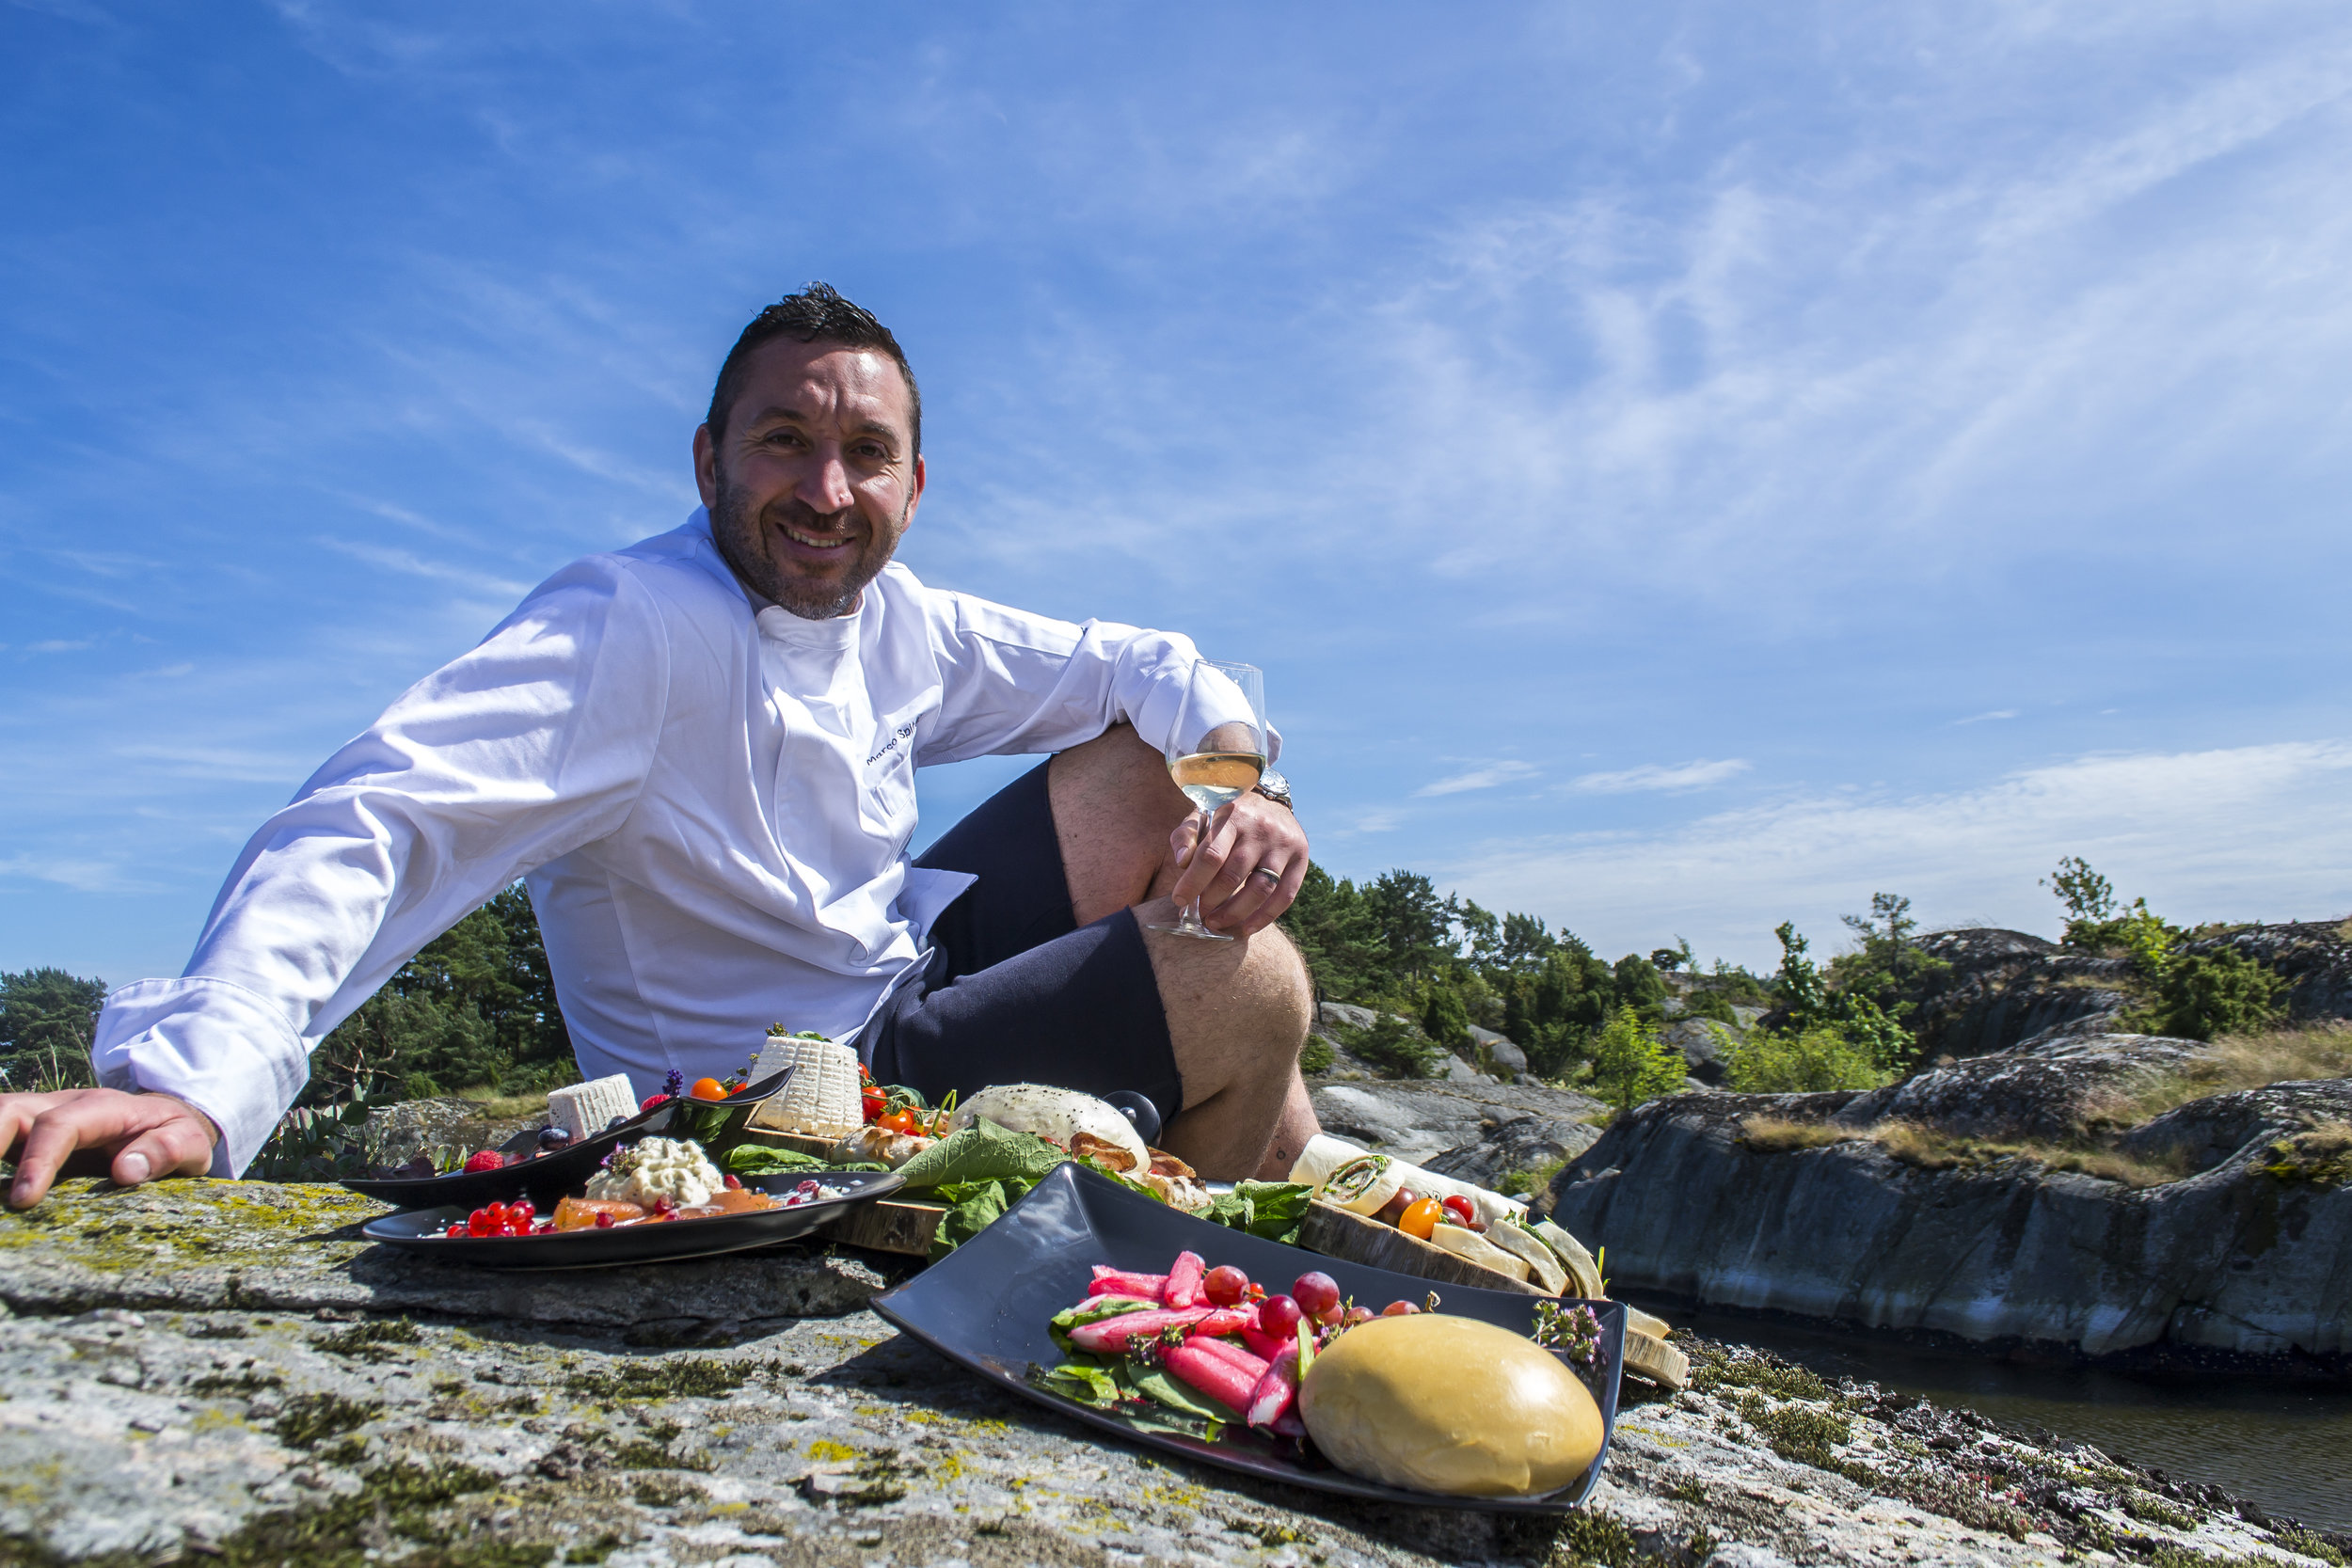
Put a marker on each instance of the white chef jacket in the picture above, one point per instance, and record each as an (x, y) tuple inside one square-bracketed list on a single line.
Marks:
[(711, 798)]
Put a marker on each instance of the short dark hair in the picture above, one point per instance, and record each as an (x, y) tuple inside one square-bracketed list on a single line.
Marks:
[(816, 314)]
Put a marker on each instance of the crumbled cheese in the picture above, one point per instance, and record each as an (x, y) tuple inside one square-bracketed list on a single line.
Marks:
[(675, 1168)]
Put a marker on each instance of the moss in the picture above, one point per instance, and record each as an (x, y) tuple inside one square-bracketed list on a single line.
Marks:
[(2305, 1543), (243, 1383), (642, 1455), (2321, 1155), (367, 1342), (660, 1491), (1715, 1367), (1593, 1536), (594, 1551), (311, 1417), (692, 1377), (399, 1498), (183, 1221), (2147, 1506), (1798, 1432)]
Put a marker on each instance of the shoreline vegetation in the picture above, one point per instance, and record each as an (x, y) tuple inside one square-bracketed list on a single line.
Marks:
[(474, 1015)]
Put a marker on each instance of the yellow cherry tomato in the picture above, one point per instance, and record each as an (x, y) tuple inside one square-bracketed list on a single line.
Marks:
[(1421, 1218), (707, 1088)]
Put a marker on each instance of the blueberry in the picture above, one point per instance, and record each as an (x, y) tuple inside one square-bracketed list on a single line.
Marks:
[(553, 1138)]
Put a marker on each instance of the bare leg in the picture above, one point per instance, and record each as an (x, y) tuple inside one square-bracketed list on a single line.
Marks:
[(1237, 1011)]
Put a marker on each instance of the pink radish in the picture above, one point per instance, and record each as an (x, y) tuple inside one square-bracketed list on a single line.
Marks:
[(1184, 1281), (1207, 1372), (1265, 1346), (1114, 1298), (1254, 1366), (1276, 1392), (1119, 1282), (1222, 1320), (1112, 1335)]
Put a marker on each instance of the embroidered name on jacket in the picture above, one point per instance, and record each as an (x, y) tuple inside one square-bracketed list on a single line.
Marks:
[(892, 744)]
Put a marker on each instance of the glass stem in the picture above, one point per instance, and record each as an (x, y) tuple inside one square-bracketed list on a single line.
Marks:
[(1192, 914)]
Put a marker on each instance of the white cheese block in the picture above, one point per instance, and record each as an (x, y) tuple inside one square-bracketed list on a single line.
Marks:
[(822, 1099), (583, 1109)]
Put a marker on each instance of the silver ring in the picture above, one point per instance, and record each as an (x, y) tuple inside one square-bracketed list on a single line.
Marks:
[(1273, 877)]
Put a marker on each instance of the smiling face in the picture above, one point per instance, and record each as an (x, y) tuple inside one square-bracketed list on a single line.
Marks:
[(814, 481)]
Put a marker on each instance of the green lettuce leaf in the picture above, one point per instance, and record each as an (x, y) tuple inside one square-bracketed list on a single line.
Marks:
[(984, 1152), (1156, 1384), (761, 1160), (1086, 1380), (1092, 1310), (1274, 1209)]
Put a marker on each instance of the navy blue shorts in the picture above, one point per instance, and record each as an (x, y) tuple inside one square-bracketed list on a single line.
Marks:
[(1015, 990)]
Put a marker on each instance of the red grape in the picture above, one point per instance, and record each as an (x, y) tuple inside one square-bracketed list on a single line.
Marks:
[(1398, 1309), (1357, 1315), (1278, 1318), (1225, 1284), (1316, 1294)]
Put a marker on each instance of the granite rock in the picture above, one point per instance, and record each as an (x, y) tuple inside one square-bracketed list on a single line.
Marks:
[(449, 1433), (1418, 1121)]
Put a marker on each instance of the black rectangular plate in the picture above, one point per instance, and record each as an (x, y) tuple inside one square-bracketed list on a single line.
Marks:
[(422, 1230), (986, 1305), (548, 1177)]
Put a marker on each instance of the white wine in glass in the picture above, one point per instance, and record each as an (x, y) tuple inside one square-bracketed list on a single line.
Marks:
[(1214, 754)]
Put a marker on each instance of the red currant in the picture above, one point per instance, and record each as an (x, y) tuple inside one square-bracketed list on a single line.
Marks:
[(478, 1223), (604, 1220), (456, 1229), (735, 1183)]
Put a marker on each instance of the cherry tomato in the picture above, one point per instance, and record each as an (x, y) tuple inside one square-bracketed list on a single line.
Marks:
[(707, 1088), (1459, 1206), (902, 1121), (875, 1101), (1225, 1284), (1422, 1218)]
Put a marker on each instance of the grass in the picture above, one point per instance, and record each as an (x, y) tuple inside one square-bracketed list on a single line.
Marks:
[(499, 1108), (2243, 1062), (1931, 1150), (1535, 1178)]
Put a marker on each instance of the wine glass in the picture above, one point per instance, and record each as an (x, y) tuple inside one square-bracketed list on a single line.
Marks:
[(1216, 750)]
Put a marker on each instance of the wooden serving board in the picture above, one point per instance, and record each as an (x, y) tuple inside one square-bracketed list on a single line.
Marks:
[(885, 1224), (1337, 1233)]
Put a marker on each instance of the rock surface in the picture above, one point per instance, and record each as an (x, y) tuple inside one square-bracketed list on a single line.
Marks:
[(483, 1425), (1998, 1250), (1420, 1121)]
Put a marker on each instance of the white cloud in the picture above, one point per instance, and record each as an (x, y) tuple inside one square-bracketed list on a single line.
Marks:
[(1486, 777), (57, 645), (2251, 833), (1654, 776), (1986, 718), (415, 565)]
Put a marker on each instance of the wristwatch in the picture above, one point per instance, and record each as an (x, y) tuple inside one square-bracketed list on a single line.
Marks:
[(1276, 788)]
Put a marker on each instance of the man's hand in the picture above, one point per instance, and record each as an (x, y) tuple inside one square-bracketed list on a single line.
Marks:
[(147, 1136), (1249, 871)]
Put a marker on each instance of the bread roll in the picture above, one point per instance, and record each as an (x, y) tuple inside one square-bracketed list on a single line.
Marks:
[(1450, 1405)]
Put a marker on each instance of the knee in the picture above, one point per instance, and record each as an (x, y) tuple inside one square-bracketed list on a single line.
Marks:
[(1280, 988)]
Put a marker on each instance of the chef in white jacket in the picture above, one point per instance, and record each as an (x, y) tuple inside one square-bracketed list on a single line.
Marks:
[(700, 751)]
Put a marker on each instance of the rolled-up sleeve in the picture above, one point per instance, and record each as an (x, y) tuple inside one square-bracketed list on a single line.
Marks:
[(1016, 683), (537, 742)]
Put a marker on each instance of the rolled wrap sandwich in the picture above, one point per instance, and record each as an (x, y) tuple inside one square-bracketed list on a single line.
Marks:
[(1364, 1184), (1324, 1155)]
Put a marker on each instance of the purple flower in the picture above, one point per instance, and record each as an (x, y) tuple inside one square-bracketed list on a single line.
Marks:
[(675, 1085)]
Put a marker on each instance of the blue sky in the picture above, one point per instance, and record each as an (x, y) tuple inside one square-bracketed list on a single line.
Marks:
[(1682, 467)]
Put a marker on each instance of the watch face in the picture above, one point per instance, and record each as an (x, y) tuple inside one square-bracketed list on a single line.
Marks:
[(1272, 782)]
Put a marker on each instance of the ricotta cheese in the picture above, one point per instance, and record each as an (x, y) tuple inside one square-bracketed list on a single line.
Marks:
[(675, 1168)]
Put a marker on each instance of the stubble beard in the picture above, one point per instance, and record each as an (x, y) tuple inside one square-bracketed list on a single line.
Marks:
[(739, 533)]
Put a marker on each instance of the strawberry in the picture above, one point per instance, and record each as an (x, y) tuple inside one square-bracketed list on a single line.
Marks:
[(487, 1159)]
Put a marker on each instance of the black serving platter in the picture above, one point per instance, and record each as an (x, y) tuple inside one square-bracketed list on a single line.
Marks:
[(423, 1230), (986, 1305), (551, 1176)]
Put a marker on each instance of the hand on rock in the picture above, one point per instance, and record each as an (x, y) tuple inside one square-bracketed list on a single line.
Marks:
[(147, 1134)]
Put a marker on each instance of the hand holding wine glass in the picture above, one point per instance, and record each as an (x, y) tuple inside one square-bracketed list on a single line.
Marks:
[(1216, 752)]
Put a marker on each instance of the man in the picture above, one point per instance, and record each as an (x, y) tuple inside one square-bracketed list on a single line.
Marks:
[(700, 750)]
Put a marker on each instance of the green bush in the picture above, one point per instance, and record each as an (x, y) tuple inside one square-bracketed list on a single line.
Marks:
[(1393, 1048), (476, 1009), (2204, 997), (1710, 1003), (47, 1021), (1803, 1061), (1631, 1064), (1316, 1056)]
